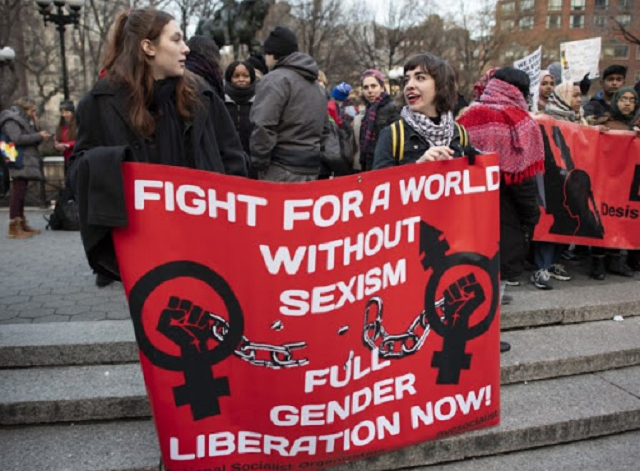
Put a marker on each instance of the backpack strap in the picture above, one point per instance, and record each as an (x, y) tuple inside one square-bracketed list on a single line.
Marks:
[(464, 135), (397, 140)]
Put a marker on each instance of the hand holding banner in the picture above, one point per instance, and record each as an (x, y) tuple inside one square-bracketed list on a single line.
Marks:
[(306, 325)]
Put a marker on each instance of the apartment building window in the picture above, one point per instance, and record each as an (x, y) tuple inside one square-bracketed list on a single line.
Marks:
[(554, 5), (508, 8), (578, 5), (554, 21), (619, 51), (625, 4), (638, 76), (600, 21), (602, 4), (638, 53), (526, 22), (527, 5), (507, 25), (624, 20), (576, 21)]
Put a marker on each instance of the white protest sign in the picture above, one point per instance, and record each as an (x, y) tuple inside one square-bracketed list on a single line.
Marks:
[(579, 58), (531, 65)]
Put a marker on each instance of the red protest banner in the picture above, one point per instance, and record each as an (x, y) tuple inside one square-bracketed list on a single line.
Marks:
[(291, 326), (592, 186)]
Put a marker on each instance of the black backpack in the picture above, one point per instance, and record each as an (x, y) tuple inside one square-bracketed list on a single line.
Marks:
[(65, 216)]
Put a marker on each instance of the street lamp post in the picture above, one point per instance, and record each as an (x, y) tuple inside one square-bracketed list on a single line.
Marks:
[(61, 20)]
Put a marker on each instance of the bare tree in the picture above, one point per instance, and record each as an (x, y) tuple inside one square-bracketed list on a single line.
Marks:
[(624, 31), (474, 43), (387, 42)]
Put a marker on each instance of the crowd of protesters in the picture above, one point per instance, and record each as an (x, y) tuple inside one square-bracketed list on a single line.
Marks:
[(274, 117)]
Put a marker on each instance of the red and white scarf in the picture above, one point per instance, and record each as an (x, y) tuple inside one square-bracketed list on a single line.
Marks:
[(501, 123)]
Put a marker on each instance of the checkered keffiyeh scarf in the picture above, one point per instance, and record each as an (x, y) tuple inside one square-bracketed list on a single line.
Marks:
[(435, 134)]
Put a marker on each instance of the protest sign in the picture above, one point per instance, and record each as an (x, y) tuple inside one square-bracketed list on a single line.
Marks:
[(579, 58), (592, 186), (531, 65), (297, 326)]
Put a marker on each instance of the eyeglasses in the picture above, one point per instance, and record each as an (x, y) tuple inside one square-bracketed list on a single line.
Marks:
[(625, 99)]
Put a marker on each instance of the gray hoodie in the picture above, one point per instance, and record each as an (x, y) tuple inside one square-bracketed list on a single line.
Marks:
[(289, 116)]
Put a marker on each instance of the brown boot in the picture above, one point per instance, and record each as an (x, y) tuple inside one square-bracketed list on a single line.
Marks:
[(27, 228), (15, 230)]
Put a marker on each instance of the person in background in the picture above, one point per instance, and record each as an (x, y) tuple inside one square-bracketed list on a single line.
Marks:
[(240, 92), (500, 122), (66, 132), (547, 84), (430, 131), (612, 80), (148, 108), (20, 124), (204, 61), (380, 112), (620, 117), (289, 114), (461, 102), (564, 104), (256, 59)]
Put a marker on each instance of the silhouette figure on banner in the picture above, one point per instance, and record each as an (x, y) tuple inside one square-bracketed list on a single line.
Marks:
[(568, 193)]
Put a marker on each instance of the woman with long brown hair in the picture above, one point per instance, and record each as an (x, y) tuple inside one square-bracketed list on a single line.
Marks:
[(147, 108), (149, 101), (66, 131)]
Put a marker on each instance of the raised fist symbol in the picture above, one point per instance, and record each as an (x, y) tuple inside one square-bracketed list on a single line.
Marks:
[(188, 325), (461, 299)]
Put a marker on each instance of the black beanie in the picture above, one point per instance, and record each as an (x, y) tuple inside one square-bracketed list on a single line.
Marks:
[(281, 42), (67, 105), (257, 61)]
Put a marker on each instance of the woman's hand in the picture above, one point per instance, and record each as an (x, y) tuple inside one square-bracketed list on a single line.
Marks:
[(436, 153), (45, 135), (59, 146), (603, 128)]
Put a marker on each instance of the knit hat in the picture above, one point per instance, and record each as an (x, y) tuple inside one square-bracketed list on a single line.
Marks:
[(281, 42), (256, 59), (373, 73), (67, 105), (341, 92)]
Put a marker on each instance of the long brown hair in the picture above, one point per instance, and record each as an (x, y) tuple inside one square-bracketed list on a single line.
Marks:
[(71, 133), (126, 63)]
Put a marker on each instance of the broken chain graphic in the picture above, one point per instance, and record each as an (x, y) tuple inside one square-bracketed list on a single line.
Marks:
[(375, 336)]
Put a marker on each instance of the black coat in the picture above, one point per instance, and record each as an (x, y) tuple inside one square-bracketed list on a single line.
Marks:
[(519, 214), (387, 114), (240, 117), (414, 147), (102, 120)]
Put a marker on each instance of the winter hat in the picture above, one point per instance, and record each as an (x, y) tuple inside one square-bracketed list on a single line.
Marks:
[(67, 105), (373, 73), (341, 92), (555, 70), (257, 61), (281, 42)]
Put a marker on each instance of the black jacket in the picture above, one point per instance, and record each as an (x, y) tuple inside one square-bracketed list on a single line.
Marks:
[(519, 214), (414, 147), (597, 106), (101, 207), (387, 114), (102, 120), (240, 117)]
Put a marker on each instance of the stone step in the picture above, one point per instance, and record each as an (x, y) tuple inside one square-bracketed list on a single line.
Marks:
[(103, 392), (536, 414), (614, 453), (105, 342)]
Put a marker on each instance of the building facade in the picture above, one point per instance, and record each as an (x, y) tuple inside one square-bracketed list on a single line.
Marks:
[(531, 23)]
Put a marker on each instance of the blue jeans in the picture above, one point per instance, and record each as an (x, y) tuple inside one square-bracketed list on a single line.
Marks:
[(546, 254)]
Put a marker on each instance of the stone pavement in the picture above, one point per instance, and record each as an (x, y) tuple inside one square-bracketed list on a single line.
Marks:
[(47, 279)]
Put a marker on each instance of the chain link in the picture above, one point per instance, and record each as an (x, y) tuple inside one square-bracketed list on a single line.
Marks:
[(388, 345), (281, 356)]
